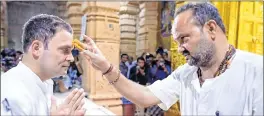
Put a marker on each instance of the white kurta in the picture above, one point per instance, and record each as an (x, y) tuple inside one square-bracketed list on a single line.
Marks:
[(25, 93), (238, 91)]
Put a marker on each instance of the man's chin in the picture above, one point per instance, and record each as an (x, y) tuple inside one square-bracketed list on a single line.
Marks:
[(60, 74), (64, 73), (191, 62)]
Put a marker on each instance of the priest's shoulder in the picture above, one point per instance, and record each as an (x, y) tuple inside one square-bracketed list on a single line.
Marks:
[(249, 58), (183, 72)]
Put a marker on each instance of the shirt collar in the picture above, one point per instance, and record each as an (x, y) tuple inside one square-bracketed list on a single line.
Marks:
[(33, 77)]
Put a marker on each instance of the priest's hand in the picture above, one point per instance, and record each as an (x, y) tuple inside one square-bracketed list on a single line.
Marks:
[(94, 55)]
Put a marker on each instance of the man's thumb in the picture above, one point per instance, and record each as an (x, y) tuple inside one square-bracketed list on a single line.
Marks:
[(53, 104)]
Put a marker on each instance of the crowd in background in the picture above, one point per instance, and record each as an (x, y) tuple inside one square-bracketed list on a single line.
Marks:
[(145, 70), (9, 59)]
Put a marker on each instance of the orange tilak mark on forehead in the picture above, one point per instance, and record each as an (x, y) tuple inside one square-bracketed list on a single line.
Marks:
[(76, 43), (79, 43)]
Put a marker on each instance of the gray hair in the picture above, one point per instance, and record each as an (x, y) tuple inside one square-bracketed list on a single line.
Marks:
[(42, 27), (203, 12)]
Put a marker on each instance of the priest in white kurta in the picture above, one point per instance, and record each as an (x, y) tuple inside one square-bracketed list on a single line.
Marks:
[(217, 78), (238, 91)]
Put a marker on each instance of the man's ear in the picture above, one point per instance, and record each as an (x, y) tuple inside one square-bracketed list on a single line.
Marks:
[(37, 48), (211, 27)]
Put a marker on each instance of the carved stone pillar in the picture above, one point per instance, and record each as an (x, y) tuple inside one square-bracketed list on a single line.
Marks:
[(148, 28), (128, 14), (103, 27), (3, 29), (62, 10), (74, 15)]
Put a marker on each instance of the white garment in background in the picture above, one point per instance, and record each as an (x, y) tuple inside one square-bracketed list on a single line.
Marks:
[(238, 91), (129, 66)]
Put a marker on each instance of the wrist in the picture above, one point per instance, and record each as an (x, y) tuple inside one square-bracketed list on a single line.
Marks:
[(113, 76), (106, 67)]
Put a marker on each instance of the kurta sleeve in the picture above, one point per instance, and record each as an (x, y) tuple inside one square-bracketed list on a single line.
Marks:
[(167, 90)]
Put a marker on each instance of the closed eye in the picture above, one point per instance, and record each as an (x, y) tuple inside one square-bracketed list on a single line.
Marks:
[(66, 49), (184, 39)]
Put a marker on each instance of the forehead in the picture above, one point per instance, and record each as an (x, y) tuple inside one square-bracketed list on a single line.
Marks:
[(141, 60), (183, 23), (62, 38)]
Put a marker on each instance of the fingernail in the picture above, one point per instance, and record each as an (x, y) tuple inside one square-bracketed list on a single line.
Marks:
[(76, 89), (81, 90)]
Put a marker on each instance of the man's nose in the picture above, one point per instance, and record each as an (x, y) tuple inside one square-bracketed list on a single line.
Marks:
[(180, 49), (70, 58)]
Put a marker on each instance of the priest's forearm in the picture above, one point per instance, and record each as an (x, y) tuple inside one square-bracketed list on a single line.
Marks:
[(135, 92)]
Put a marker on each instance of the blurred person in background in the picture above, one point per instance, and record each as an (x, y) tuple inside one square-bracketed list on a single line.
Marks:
[(130, 63), (150, 60), (166, 58), (159, 53), (122, 66), (160, 70), (8, 59), (144, 54), (128, 107), (140, 73)]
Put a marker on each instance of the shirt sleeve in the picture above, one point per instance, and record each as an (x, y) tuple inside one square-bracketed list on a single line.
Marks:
[(14, 97), (167, 90), (15, 102)]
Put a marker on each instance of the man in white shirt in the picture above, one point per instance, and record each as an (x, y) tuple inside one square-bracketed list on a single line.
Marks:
[(27, 88), (217, 80), (130, 63)]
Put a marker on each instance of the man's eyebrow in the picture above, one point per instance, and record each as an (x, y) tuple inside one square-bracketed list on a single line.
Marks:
[(65, 47), (177, 36)]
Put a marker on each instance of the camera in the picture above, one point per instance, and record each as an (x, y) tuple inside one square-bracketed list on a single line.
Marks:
[(161, 63), (138, 67)]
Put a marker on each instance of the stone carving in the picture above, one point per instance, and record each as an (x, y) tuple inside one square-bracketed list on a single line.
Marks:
[(148, 28), (74, 15), (128, 14), (103, 27), (3, 25)]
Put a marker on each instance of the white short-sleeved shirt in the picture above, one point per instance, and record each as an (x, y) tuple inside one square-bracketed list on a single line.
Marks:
[(238, 91), (24, 93)]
